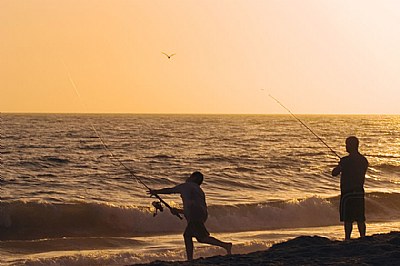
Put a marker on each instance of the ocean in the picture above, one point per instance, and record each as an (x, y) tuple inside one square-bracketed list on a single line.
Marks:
[(67, 200)]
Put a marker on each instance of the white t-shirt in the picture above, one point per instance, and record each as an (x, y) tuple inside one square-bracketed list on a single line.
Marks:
[(194, 201)]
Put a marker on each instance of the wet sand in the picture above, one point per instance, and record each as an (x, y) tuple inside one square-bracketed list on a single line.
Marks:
[(378, 249)]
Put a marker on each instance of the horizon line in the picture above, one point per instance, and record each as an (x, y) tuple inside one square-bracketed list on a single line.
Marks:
[(173, 113)]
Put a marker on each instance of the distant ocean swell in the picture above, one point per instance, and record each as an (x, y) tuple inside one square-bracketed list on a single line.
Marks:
[(36, 220), (393, 167), (44, 162)]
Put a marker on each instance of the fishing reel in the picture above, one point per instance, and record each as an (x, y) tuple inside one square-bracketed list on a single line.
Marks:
[(158, 207)]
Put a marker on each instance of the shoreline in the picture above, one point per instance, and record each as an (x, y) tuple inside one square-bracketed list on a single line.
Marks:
[(170, 250), (377, 249)]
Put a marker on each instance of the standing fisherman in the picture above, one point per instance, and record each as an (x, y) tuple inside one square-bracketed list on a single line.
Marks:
[(352, 169)]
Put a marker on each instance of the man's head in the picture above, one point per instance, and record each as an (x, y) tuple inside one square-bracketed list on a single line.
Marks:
[(196, 177), (352, 144)]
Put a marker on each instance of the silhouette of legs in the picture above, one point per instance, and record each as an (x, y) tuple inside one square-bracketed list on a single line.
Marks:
[(206, 240), (348, 227)]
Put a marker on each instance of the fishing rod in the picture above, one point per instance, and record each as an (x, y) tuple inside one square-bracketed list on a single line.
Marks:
[(301, 122), (156, 204)]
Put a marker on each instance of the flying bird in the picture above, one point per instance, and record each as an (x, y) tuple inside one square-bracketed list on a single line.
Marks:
[(169, 56)]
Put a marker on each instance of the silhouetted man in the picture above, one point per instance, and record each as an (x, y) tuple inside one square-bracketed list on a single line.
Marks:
[(195, 211), (352, 169)]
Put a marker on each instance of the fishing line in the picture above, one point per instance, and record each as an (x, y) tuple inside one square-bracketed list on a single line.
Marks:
[(97, 133), (137, 178), (301, 122)]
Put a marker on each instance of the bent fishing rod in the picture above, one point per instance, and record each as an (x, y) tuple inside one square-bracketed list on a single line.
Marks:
[(156, 205), (301, 122)]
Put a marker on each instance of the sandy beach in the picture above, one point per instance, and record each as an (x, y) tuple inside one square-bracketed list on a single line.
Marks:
[(378, 249)]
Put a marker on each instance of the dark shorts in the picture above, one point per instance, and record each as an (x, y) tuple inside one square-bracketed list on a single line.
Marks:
[(197, 230), (352, 207)]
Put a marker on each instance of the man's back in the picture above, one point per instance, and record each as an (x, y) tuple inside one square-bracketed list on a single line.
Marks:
[(354, 168)]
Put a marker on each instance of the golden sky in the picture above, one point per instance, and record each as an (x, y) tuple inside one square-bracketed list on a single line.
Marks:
[(315, 56)]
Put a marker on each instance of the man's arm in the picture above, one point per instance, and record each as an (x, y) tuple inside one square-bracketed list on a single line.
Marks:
[(171, 190), (176, 211), (337, 170)]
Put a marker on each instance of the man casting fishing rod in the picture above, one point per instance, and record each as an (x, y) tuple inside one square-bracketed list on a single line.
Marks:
[(195, 211)]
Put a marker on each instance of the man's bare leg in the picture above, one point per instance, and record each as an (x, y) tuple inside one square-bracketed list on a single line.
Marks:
[(348, 227), (362, 228), (189, 247), (215, 242)]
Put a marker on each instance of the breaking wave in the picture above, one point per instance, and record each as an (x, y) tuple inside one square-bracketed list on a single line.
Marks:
[(38, 220)]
